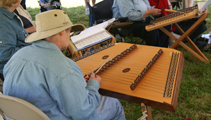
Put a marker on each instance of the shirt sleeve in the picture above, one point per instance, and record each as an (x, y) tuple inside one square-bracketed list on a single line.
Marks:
[(77, 100), (8, 42), (126, 9)]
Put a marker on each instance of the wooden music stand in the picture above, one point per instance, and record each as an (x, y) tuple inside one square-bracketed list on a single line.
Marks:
[(73, 53), (185, 36)]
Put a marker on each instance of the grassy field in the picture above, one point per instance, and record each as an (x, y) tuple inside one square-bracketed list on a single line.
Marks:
[(194, 99)]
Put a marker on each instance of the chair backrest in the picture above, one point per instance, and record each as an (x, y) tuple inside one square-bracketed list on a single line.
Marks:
[(19, 109), (101, 11)]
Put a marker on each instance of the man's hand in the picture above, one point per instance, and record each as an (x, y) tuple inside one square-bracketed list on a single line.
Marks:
[(96, 77), (43, 4), (155, 12)]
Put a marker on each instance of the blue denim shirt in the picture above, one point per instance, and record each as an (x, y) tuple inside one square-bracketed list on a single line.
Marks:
[(132, 9), (12, 36), (43, 76)]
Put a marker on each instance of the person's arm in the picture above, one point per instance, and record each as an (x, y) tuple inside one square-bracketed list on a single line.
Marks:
[(155, 12), (44, 4), (8, 44), (31, 29), (126, 9), (78, 100)]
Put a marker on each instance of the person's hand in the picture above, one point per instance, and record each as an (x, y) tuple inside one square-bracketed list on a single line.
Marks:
[(155, 12), (31, 29), (48, 3), (96, 77)]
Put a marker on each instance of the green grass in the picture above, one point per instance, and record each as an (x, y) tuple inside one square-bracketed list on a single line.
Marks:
[(194, 99)]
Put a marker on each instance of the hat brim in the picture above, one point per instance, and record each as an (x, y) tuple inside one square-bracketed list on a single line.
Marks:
[(45, 34)]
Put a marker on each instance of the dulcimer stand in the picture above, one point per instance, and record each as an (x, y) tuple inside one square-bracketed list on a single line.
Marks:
[(185, 36), (146, 112)]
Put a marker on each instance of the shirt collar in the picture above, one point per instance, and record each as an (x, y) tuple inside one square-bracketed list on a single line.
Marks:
[(45, 44), (7, 13)]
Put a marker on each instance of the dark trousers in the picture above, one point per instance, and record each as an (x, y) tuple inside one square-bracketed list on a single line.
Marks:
[(1, 76), (185, 25), (152, 38)]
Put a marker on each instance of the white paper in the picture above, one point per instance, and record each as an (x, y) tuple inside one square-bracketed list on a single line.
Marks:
[(206, 5), (93, 40), (90, 38), (86, 33), (101, 25), (92, 35)]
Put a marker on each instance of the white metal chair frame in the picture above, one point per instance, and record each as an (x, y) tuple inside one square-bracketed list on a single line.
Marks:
[(19, 109)]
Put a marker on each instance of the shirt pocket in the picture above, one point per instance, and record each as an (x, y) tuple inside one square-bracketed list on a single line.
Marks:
[(21, 35)]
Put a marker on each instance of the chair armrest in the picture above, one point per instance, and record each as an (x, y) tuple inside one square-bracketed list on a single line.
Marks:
[(121, 24), (122, 19)]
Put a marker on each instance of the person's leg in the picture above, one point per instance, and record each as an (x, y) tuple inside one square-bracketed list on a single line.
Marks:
[(56, 5), (86, 3), (87, 7), (110, 109), (185, 25), (150, 37), (93, 2), (48, 7), (163, 38)]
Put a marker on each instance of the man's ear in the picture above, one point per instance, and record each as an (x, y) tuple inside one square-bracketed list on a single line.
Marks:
[(61, 33)]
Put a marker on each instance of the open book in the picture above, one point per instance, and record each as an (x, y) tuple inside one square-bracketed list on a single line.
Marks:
[(92, 36), (203, 5)]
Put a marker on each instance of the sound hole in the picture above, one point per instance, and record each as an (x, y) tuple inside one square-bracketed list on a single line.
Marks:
[(105, 56), (126, 70)]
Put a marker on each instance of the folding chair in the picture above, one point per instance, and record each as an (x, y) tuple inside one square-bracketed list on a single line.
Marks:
[(18, 109), (102, 11)]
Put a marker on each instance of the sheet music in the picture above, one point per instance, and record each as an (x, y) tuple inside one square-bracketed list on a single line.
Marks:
[(91, 39), (206, 5), (92, 35), (92, 30)]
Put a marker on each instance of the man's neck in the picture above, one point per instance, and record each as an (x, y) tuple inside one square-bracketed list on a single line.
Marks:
[(56, 42)]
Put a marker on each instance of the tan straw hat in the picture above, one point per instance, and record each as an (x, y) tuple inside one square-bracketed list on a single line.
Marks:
[(50, 23)]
